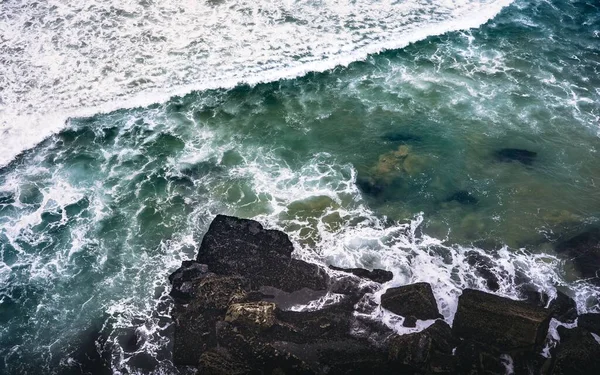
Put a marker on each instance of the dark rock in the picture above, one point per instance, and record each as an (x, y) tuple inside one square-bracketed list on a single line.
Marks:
[(515, 154), (419, 351), (473, 358), (402, 137), (531, 295), (220, 362), (235, 246), (483, 268), (183, 279), (463, 197), (92, 351), (563, 308), (377, 275), (370, 186), (501, 323), (585, 251), (409, 322), (411, 300), (577, 353), (591, 322)]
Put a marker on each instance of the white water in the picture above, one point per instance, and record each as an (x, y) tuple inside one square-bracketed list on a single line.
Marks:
[(62, 59)]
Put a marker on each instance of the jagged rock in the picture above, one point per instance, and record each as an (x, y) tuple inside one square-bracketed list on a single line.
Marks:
[(591, 322), (411, 300), (184, 277), (260, 314), (483, 268), (423, 350), (515, 154), (585, 251), (235, 246), (577, 353), (499, 322), (377, 275), (563, 308)]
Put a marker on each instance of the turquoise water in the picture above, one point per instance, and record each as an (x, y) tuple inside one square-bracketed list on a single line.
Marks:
[(358, 164)]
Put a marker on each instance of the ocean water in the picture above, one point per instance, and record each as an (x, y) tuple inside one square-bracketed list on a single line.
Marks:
[(351, 125)]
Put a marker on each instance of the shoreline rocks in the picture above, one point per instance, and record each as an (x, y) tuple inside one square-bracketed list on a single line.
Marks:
[(237, 311)]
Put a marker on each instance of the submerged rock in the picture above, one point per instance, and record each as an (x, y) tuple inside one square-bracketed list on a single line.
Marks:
[(463, 197), (501, 323), (377, 275), (585, 251), (516, 154), (415, 300), (483, 268), (401, 137), (238, 246)]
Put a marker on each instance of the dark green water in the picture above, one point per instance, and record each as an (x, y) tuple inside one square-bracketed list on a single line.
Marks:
[(359, 164)]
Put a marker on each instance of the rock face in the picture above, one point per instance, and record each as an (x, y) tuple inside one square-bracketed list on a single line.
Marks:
[(501, 323), (414, 300), (585, 251)]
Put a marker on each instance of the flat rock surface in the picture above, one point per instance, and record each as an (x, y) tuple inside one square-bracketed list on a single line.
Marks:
[(414, 300), (500, 322)]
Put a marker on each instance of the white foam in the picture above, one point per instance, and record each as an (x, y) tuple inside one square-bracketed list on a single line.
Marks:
[(78, 58)]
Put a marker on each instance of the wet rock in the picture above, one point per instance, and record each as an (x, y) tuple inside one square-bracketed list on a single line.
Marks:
[(183, 279), (577, 353), (563, 308), (483, 268), (377, 275), (409, 322), (239, 246), (411, 300), (515, 154), (501, 323), (531, 295), (585, 251), (463, 197), (259, 314), (423, 351), (591, 322)]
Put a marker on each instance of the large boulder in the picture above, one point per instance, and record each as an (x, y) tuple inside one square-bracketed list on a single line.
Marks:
[(578, 353), (415, 300), (240, 246), (584, 249), (502, 323), (428, 351)]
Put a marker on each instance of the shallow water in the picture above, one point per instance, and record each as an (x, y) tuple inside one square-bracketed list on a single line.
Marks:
[(94, 218)]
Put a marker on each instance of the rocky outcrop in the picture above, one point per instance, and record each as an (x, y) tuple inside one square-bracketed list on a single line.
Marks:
[(235, 246), (415, 300), (503, 324), (235, 313)]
